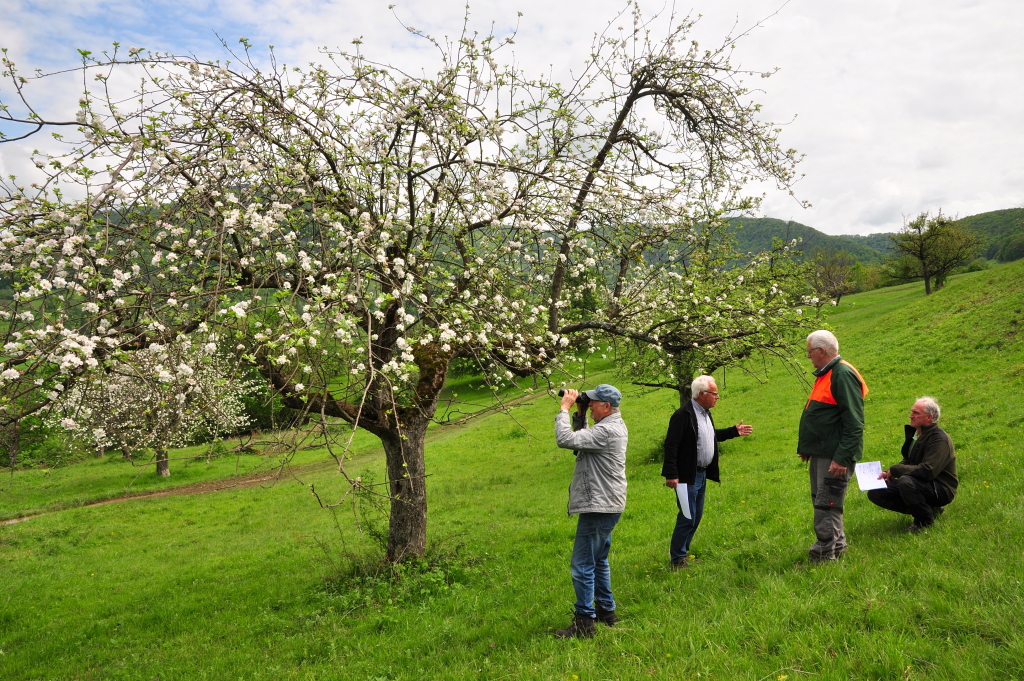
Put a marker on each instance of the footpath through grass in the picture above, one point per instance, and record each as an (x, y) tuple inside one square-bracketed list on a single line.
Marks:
[(231, 585)]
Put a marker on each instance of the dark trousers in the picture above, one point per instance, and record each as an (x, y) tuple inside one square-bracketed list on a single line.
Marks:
[(912, 497), (682, 535)]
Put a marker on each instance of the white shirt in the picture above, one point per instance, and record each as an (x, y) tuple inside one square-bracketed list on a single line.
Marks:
[(705, 436)]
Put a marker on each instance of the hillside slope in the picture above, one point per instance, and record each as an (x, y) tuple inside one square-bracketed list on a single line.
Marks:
[(188, 587)]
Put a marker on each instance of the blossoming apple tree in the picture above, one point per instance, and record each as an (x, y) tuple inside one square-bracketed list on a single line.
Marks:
[(349, 228), (166, 396)]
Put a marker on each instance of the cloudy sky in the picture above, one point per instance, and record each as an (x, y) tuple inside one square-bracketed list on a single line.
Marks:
[(899, 106)]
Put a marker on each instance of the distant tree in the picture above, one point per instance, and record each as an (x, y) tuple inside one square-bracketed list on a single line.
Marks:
[(929, 248), (165, 397), (703, 315), (865, 277), (832, 273)]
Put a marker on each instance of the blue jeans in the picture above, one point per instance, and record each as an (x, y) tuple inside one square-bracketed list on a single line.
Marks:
[(591, 575), (685, 527)]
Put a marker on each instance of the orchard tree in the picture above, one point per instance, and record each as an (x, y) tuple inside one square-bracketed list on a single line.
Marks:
[(165, 396), (930, 248), (349, 228), (832, 274), (702, 306)]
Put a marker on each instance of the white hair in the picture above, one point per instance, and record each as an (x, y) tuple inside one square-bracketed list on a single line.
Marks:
[(825, 340), (930, 407), (701, 384)]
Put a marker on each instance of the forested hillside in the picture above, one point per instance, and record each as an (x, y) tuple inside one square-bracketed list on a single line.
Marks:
[(756, 234), (1003, 231)]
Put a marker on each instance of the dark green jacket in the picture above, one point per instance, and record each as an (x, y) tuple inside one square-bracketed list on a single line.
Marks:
[(832, 425), (930, 457)]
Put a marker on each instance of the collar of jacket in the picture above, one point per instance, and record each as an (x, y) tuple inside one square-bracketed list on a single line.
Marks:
[(691, 409), (911, 431), (828, 367), (614, 416)]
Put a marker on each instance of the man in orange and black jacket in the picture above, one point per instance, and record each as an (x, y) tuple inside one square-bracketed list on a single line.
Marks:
[(832, 439)]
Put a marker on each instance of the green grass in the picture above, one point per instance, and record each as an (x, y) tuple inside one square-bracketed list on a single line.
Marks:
[(231, 584)]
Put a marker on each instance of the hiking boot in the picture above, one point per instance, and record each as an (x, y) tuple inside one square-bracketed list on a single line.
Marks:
[(681, 563), (607, 616), (581, 627)]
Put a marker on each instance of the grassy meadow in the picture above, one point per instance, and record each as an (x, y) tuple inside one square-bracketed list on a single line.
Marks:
[(242, 583)]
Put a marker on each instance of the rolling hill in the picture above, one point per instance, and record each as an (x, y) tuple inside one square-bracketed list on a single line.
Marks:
[(1003, 231), (260, 579)]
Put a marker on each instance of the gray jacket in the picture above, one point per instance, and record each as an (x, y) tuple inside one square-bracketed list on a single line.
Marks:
[(599, 479)]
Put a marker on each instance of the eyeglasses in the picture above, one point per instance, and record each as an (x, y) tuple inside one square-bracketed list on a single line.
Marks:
[(708, 392)]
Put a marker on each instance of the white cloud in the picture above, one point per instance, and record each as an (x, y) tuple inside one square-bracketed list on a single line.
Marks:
[(899, 107)]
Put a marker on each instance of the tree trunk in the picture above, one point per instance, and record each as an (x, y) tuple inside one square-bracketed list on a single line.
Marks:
[(684, 391), (163, 465), (684, 373), (927, 279), (407, 530)]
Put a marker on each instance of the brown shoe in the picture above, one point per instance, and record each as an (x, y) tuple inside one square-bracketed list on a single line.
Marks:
[(581, 627), (681, 563), (606, 616)]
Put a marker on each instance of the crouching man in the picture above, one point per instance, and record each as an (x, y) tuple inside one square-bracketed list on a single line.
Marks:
[(925, 481), (598, 495)]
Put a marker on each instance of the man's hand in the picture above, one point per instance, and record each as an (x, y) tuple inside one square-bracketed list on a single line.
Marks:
[(885, 475), (744, 429), (568, 399), (836, 471), (671, 483), (803, 457)]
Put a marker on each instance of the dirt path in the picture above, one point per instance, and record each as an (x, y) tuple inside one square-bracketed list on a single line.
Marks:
[(276, 475), (207, 487)]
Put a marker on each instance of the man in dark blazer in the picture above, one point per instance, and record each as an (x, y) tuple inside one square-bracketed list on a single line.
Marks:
[(925, 481), (691, 459)]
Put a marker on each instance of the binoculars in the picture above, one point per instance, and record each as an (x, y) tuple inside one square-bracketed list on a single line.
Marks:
[(582, 398)]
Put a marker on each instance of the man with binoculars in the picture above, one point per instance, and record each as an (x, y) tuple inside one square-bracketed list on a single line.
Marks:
[(597, 495)]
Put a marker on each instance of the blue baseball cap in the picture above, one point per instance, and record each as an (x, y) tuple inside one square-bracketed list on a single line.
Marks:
[(605, 393)]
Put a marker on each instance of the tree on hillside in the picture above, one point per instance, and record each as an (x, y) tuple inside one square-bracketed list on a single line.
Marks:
[(704, 314), (165, 397), (832, 274), (350, 229), (929, 248)]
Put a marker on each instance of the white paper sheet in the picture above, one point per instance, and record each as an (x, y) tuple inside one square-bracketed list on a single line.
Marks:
[(867, 475), (684, 499)]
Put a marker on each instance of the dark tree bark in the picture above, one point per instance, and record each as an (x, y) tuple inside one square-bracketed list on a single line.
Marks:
[(163, 465), (407, 533), (684, 370)]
